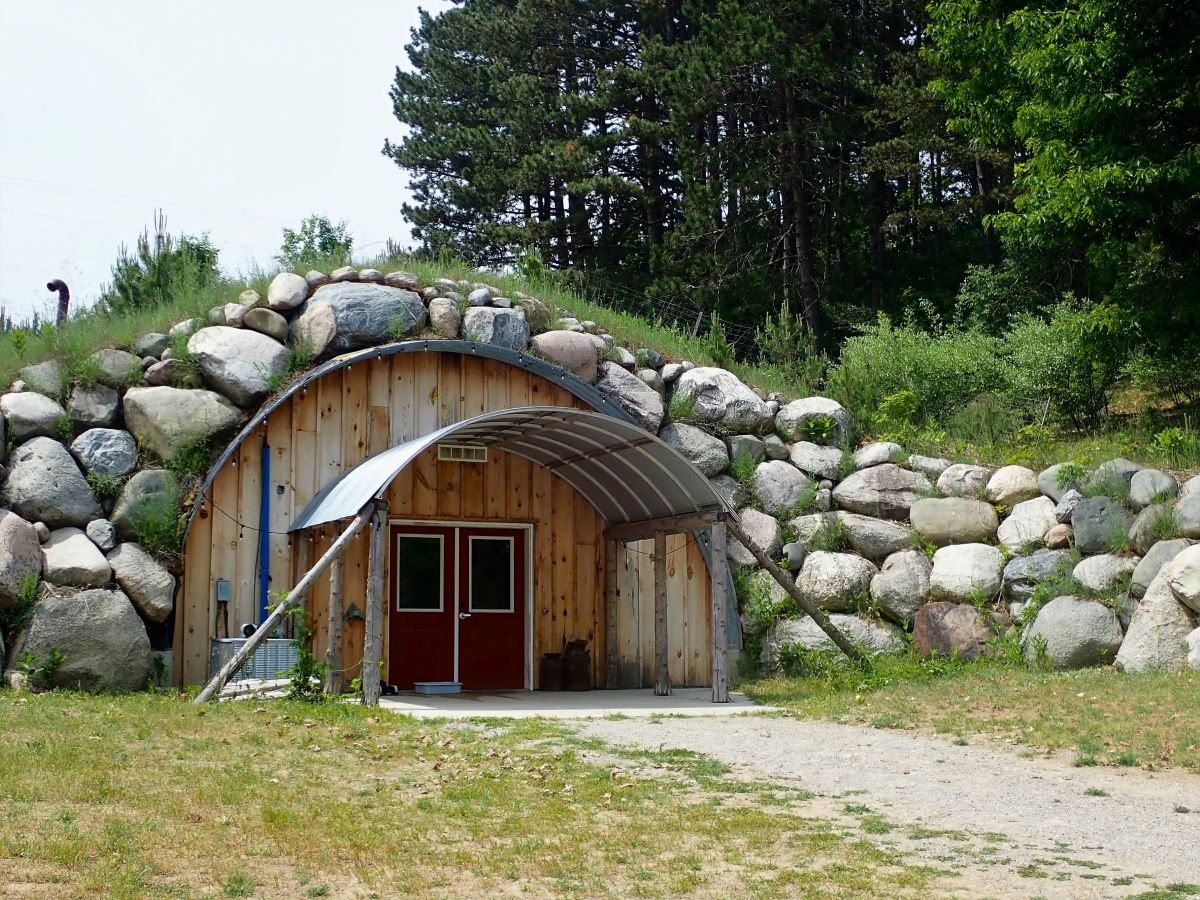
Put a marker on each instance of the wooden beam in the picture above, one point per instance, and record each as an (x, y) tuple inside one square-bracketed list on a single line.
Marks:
[(662, 659), (612, 611), (373, 639), (639, 531), (293, 598), (720, 625), (333, 650), (785, 581)]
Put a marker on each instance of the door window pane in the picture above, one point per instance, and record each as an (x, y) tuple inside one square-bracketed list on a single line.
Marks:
[(418, 572), (491, 574)]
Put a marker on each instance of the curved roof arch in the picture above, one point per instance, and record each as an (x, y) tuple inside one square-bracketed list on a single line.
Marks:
[(626, 473), (571, 383)]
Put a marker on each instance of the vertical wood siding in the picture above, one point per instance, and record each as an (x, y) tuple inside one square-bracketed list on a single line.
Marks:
[(353, 413)]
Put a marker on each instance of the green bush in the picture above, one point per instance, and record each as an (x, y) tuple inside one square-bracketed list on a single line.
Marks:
[(786, 345), (161, 269), (943, 371), (1062, 364)]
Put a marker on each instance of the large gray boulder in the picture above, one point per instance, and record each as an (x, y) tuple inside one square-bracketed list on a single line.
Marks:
[(1054, 482), (149, 585), (1105, 573), (902, 585), (632, 394), (503, 327), (964, 573), (1010, 485), (106, 451), (93, 407), (747, 445), (1022, 574), (1073, 633), (286, 291), (875, 539), (1113, 476), (779, 486), (954, 520), (731, 491), (568, 350), (1150, 564), (942, 628), (114, 368), (268, 322), (167, 419), (1187, 516), (813, 531), (1184, 578), (818, 461), (242, 365), (931, 467), (44, 377), (720, 398), (874, 636), (701, 449), (885, 492), (1157, 634), (351, 315), (877, 453), (1027, 524), (29, 414), (1154, 522), (20, 556), (153, 343), (45, 485), (792, 420), (150, 493), (763, 530), (1190, 488), (70, 559), (1149, 486), (834, 580), (1100, 524), (963, 480), (102, 640)]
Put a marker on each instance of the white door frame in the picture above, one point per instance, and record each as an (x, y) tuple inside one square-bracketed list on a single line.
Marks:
[(456, 525)]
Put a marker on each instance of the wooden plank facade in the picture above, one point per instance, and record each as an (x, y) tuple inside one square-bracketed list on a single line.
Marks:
[(355, 412)]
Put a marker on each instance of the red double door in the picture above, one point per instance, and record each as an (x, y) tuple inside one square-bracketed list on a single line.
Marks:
[(458, 598)]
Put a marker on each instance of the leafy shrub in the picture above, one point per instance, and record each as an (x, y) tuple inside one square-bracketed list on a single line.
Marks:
[(1172, 375), (717, 346), (191, 458), (819, 429), (158, 525), (1063, 364), (1179, 446), (105, 487), (161, 270), (742, 468), (942, 371), (991, 299), (317, 240)]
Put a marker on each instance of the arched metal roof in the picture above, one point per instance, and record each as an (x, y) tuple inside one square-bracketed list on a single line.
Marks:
[(627, 474)]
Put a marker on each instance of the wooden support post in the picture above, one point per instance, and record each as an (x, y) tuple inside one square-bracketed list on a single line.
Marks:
[(662, 673), (333, 650), (720, 625), (785, 581), (612, 609), (296, 595), (373, 639)]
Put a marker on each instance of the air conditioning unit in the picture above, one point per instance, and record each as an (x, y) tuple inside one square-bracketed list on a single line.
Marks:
[(273, 657)]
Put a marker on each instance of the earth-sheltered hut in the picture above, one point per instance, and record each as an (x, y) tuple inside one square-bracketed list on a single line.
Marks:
[(490, 508)]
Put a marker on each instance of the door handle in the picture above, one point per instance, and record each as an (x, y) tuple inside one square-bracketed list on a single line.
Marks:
[(463, 615)]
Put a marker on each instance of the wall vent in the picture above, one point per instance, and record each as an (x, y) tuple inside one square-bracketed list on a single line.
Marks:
[(462, 453)]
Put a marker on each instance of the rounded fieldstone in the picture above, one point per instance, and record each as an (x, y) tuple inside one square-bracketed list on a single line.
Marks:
[(152, 344), (1100, 524), (763, 530), (1156, 638), (1187, 516), (902, 585), (44, 484), (1148, 486), (29, 414), (962, 480), (873, 636), (779, 486), (149, 585), (1104, 573), (568, 350), (20, 556), (1073, 633), (150, 492), (1011, 485), (1027, 524), (167, 419), (93, 407), (931, 467), (106, 451), (950, 629), (821, 462), (720, 398), (701, 449), (1022, 574), (1054, 484), (964, 573), (885, 492), (286, 291), (876, 454), (102, 533), (832, 581), (792, 420), (237, 363), (70, 559), (632, 394), (268, 322), (114, 368), (954, 520)]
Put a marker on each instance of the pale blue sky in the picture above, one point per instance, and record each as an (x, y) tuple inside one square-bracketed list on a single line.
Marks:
[(235, 118)]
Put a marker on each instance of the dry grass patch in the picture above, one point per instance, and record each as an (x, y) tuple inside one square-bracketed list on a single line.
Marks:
[(147, 796), (1106, 717)]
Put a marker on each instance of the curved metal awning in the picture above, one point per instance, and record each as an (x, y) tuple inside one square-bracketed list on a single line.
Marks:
[(626, 473)]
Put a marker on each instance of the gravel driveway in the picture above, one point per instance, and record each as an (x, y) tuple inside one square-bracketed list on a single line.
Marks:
[(1007, 825)]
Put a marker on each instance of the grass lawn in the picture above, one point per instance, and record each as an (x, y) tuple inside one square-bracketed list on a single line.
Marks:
[(1105, 717), (148, 796)]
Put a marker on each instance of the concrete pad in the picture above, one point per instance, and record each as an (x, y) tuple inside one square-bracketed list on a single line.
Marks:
[(640, 703)]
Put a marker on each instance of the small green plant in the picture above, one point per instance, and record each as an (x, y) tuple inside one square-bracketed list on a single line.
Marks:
[(1179, 447), (19, 338), (238, 885), (831, 536), (157, 523), (798, 662), (682, 408), (845, 466), (191, 457), (41, 670), (864, 605), (742, 468), (1095, 792), (65, 428), (18, 612), (105, 487), (1041, 657), (819, 429), (1071, 474), (718, 347), (307, 673), (1182, 809)]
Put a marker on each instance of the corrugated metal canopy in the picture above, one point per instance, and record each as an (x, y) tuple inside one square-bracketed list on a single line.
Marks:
[(627, 474)]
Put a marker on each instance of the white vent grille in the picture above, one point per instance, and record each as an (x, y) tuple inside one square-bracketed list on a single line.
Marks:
[(462, 453)]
